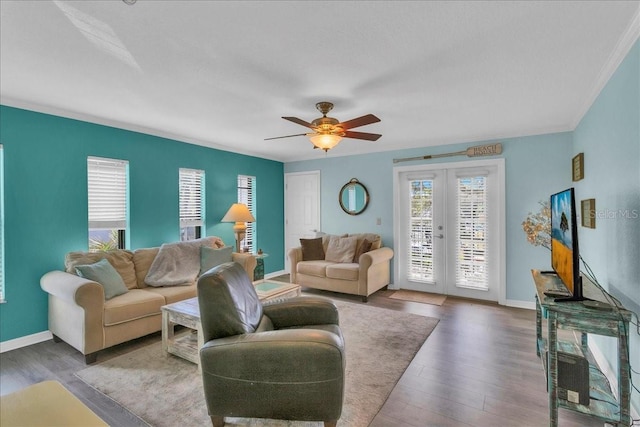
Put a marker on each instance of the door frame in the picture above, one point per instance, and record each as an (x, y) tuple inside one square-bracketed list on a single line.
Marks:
[(499, 163)]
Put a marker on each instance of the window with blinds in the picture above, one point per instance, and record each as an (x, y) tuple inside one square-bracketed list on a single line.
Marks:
[(471, 227), (108, 203), (1, 225), (246, 195), (191, 182), (420, 268)]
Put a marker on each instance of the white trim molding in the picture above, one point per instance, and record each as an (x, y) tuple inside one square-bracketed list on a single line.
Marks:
[(25, 341), (622, 48)]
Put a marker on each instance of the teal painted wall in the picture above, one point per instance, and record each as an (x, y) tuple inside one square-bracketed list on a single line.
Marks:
[(609, 137), (45, 160), (535, 167)]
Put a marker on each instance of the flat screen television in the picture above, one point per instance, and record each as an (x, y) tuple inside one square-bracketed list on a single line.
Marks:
[(565, 256)]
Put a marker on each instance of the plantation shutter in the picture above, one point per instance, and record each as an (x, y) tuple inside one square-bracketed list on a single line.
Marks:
[(246, 189), (191, 184), (107, 189), (472, 229), (1, 225), (420, 259)]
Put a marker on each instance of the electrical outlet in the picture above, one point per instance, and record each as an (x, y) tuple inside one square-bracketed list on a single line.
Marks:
[(378, 221)]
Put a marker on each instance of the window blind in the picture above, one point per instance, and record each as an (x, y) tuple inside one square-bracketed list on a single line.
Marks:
[(191, 201), (472, 229), (107, 190), (1, 224), (420, 259), (246, 190)]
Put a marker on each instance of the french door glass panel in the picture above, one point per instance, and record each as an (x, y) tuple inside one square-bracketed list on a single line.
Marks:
[(421, 249), (472, 232), (421, 231)]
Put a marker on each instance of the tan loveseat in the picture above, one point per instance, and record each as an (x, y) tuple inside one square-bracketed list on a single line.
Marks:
[(342, 267), (80, 315)]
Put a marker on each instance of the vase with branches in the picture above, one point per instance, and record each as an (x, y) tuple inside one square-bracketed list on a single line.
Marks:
[(537, 226)]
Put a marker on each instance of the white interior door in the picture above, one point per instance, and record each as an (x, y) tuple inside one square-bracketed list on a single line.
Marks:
[(302, 208), (450, 228)]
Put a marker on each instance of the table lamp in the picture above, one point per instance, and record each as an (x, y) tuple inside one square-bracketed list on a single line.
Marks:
[(238, 213)]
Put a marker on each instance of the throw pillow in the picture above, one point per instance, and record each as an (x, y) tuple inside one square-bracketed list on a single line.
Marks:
[(312, 249), (364, 247), (103, 273), (213, 257), (341, 249)]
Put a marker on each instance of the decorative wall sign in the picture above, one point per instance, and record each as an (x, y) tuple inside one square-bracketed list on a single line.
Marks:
[(578, 167), (588, 213)]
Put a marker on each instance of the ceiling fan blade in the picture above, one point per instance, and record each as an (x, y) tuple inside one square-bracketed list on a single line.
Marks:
[(360, 121), (286, 136), (362, 135), (299, 121)]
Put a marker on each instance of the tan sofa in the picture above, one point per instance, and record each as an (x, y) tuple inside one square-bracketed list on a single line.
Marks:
[(80, 315), (369, 273)]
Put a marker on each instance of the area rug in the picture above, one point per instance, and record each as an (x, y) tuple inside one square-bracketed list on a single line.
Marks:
[(167, 391), (415, 296)]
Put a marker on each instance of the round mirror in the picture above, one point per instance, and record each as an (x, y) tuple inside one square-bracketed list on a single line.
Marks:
[(353, 197)]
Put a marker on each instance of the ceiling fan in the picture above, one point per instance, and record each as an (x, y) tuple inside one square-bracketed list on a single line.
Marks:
[(328, 131)]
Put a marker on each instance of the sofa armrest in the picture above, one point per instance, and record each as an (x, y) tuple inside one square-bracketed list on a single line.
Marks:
[(73, 289), (76, 307), (295, 256), (301, 311), (247, 261), (375, 256)]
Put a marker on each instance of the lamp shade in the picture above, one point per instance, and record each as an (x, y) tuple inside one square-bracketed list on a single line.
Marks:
[(238, 212), (325, 141)]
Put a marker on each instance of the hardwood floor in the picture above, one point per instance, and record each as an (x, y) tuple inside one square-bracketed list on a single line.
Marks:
[(478, 368)]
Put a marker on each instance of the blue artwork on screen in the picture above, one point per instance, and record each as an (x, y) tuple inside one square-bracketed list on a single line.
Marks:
[(561, 219)]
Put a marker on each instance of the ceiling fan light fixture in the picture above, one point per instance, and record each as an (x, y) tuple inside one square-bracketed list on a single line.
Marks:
[(325, 141)]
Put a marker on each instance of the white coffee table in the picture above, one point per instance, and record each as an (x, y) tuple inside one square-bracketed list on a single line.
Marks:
[(187, 313)]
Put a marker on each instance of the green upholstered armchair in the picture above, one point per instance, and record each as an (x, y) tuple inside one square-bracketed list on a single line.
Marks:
[(284, 360)]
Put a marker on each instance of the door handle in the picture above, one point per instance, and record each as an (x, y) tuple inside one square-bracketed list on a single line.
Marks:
[(440, 236)]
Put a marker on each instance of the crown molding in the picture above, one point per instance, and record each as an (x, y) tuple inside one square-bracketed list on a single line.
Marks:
[(621, 50)]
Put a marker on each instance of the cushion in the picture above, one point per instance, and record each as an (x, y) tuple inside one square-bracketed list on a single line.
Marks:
[(343, 271), (376, 241), (135, 304), (120, 259), (173, 294), (104, 273), (313, 268), (143, 258), (326, 238), (341, 249), (312, 249), (213, 257), (364, 247)]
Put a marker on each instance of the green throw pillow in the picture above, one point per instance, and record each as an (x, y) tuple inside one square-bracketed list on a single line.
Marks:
[(104, 273), (213, 257)]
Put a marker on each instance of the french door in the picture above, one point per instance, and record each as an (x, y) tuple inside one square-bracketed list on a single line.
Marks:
[(449, 228)]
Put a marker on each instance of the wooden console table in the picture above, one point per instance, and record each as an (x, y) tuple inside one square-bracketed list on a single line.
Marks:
[(577, 317)]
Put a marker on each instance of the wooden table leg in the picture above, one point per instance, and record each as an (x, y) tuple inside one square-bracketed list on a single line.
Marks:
[(552, 369), (167, 332)]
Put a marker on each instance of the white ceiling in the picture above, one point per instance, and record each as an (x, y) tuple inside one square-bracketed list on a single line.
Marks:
[(222, 73)]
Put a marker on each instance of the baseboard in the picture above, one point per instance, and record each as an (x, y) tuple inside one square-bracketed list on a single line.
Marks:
[(275, 274), (529, 305), (24, 341)]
